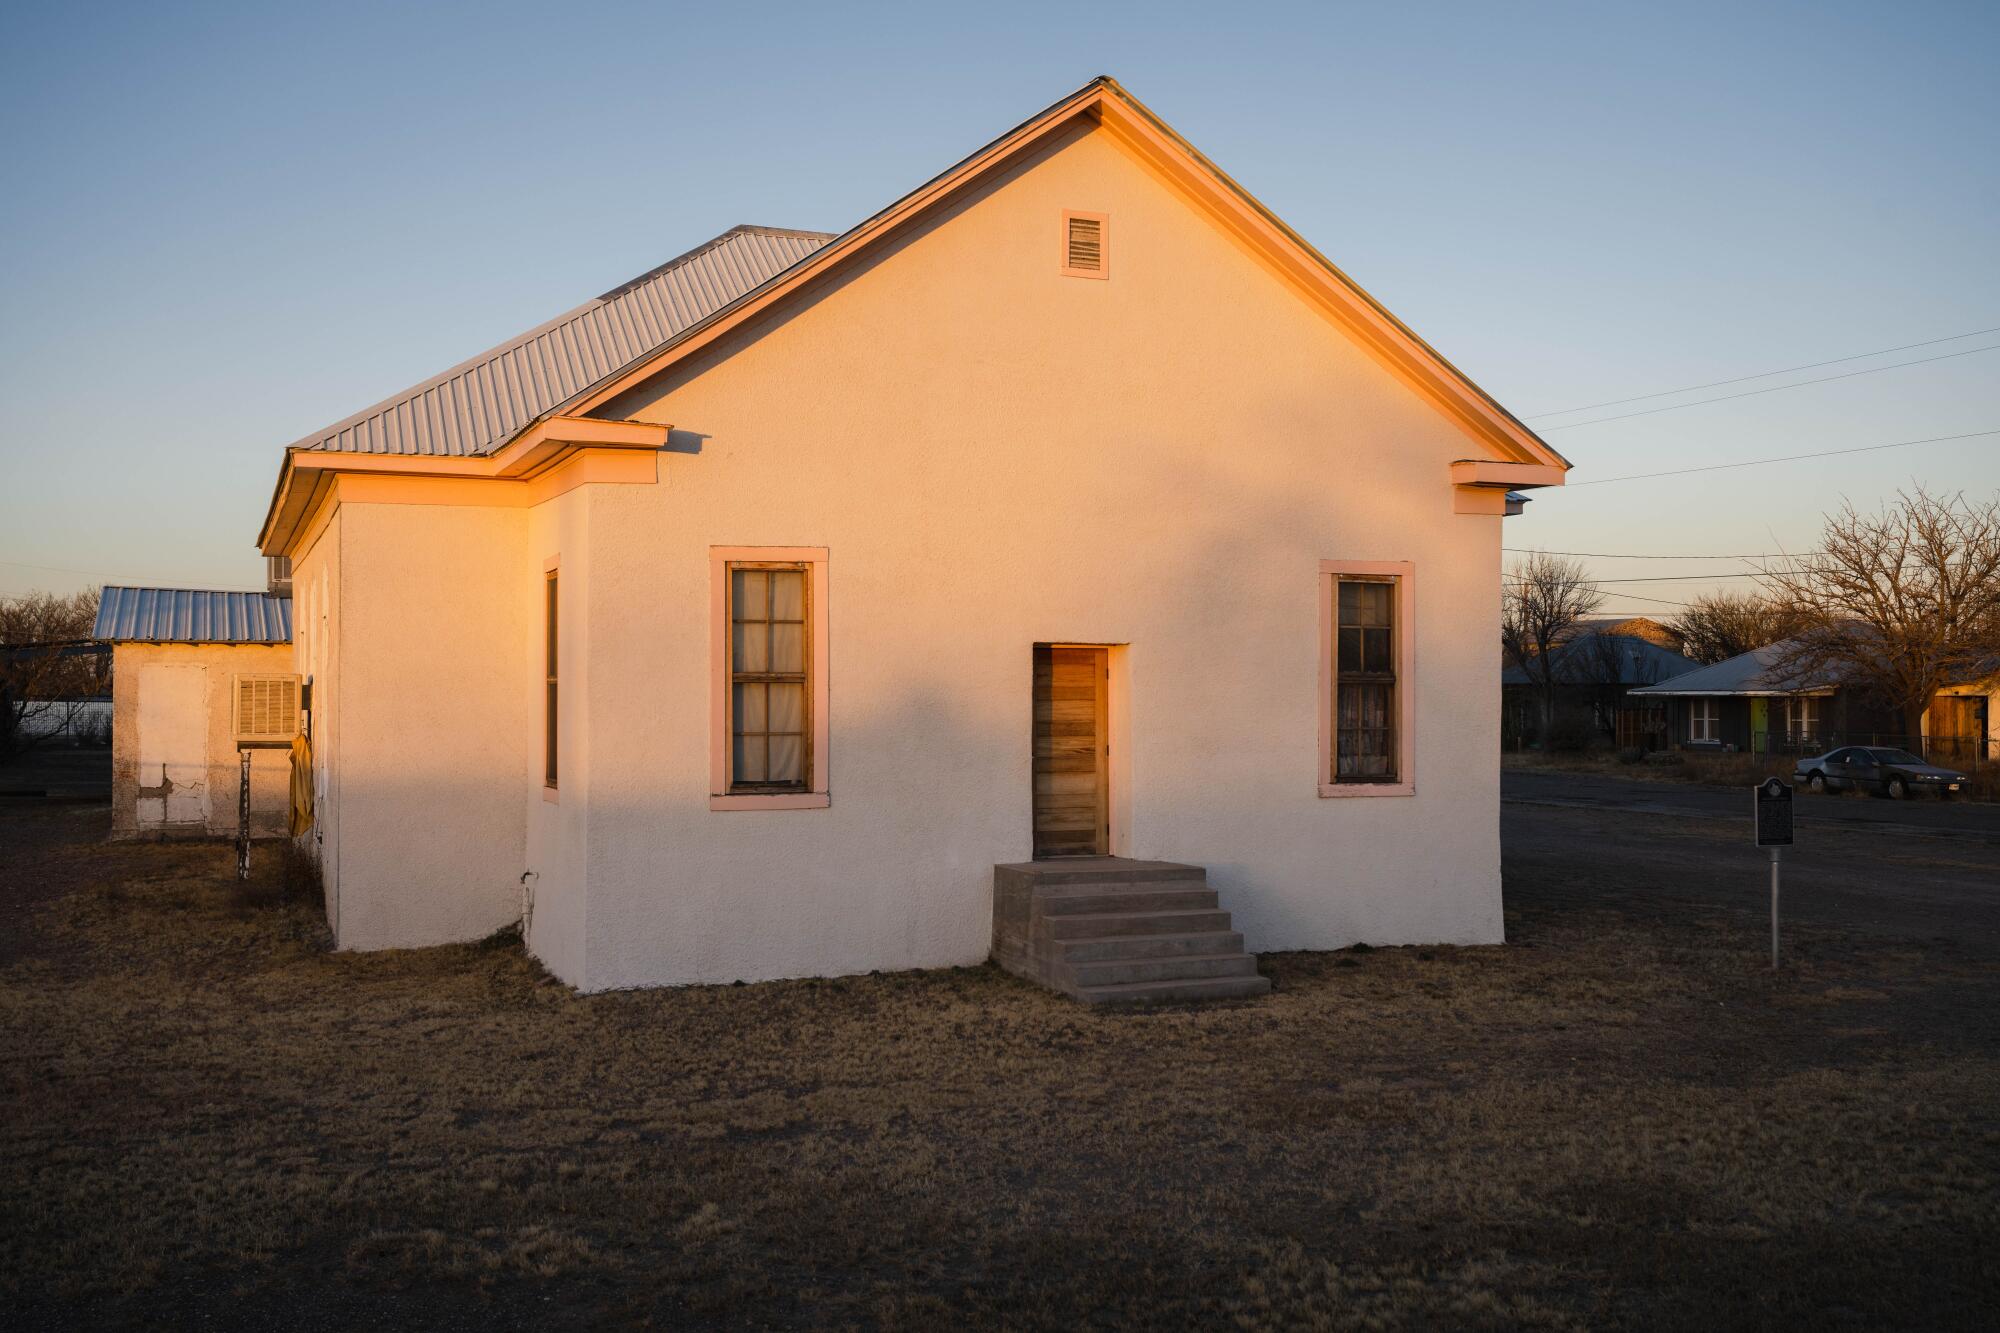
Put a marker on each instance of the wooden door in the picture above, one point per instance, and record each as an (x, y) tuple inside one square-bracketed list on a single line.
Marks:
[(1958, 729), (1072, 770)]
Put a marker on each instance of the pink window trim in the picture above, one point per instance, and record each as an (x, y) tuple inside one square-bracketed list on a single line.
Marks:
[(719, 797), (1405, 574)]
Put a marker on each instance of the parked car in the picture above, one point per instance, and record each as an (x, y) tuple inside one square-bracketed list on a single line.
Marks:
[(1878, 770)]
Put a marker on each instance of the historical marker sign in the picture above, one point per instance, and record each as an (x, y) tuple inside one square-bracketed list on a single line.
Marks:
[(1773, 801)]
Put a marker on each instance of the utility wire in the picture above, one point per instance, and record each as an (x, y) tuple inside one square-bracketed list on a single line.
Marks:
[(1776, 388), (1787, 458), (1629, 555), (1761, 375)]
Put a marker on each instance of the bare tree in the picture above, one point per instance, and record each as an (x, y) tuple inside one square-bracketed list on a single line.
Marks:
[(1904, 601), (1543, 598), (1720, 625), (46, 658)]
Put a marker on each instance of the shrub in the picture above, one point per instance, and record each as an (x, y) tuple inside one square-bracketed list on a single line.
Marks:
[(1631, 754)]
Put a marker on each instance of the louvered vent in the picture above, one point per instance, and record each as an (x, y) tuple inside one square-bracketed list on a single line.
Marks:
[(267, 709), (1083, 245)]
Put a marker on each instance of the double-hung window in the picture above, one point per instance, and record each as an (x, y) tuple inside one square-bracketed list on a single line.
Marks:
[(1365, 704), (1705, 720), (550, 642), (1364, 743), (770, 737), (1802, 721), (770, 703)]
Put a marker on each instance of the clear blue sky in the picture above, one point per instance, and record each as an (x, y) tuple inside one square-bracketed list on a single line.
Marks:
[(224, 226)]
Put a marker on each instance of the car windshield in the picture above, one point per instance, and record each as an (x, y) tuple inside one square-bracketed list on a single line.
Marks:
[(1895, 757)]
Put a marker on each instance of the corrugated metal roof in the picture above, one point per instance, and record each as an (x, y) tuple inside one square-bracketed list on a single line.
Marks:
[(479, 404), (1590, 657), (1754, 672), (192, 615)]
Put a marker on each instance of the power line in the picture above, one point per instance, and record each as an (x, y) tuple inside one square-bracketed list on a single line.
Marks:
[(1761, 375), (1776, 388), (122, 579), (1629, 555), (1787, 458)]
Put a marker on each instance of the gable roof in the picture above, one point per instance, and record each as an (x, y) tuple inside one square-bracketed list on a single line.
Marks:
[(1753, 673), (479, 404), (1105, 102), (505, 402), (1634, 660), (191, 615)]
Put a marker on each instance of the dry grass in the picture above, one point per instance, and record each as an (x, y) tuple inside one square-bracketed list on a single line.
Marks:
[(1619, 1120)]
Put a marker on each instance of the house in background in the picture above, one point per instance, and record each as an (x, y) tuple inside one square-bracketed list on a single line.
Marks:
[(1745, 703), (1069, 525), (196, 674), (1596, 670)]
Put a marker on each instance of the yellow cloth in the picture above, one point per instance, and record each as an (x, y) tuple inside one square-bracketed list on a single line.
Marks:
[(302, 785)]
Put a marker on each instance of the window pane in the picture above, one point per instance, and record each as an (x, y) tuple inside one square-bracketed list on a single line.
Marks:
[(787, 759), (1365, 740), (749, 764), (788, 647), (788, 708), (752, 648), (1350, 649), (1365, 603), (1376, 644), (750, 709), (749, 596), (788, 594)]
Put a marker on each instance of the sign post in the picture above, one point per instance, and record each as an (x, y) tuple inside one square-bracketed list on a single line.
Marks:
[(1771, 808)]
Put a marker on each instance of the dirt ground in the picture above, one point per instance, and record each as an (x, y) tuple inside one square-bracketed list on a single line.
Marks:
[(1620, 1119)]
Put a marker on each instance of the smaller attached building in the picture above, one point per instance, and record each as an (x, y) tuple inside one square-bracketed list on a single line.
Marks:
[(196, 676)]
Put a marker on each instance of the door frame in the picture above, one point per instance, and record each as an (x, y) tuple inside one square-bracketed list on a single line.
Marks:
[(1108, 740)]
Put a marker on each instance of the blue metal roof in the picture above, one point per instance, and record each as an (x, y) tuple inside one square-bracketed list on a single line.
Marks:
[(1596, 657), (191, 615)]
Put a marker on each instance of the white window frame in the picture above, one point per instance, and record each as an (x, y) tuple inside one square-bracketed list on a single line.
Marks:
[(1704, 715)]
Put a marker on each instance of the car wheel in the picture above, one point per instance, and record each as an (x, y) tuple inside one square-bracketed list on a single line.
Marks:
[(1817, 784), (1898, 789)]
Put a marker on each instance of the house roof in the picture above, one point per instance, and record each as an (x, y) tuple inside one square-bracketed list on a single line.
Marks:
[(510, 406), (1637, 661), (1751, 673), (481, 403), (191, 615), (1106, 103)]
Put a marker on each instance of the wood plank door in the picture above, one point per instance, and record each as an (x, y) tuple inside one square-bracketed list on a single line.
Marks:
[(1072, 769)]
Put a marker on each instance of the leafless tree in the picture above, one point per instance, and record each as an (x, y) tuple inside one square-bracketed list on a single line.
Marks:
[(45, 658), (1720, 625), (1904, 601), (1543, 598)]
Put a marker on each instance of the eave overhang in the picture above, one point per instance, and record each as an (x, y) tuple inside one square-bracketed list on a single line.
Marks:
[(308, 474)]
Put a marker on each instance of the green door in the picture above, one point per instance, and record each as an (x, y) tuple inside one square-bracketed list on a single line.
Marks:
[(1760, 725)]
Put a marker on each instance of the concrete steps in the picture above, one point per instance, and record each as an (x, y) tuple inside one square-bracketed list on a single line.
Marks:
[(1106, 930)]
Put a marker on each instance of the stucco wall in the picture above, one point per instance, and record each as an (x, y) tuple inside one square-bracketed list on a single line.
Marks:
[(558, 531), (174, 763), (433, 724), (315, 643), (996, 455)]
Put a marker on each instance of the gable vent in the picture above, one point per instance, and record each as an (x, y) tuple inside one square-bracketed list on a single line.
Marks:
[(1084, 245), (267, 709)]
